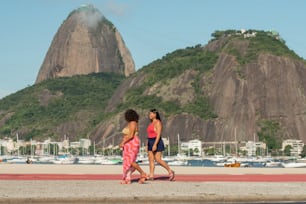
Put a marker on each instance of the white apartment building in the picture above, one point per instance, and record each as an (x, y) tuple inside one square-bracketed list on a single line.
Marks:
[(252, 146), (297, 146), (195, 145), (85, 143), (8, 146)]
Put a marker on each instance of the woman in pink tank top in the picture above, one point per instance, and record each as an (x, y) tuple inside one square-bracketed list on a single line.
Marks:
[(155, 145)]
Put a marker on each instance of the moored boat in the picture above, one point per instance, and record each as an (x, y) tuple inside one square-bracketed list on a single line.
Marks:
[(294, 165), (177, 163), (236, 164)]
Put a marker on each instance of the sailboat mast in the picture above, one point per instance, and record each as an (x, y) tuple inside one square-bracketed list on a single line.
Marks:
[(236, 143), (168, 146), (178, 144), (94, 148), (17, 144)]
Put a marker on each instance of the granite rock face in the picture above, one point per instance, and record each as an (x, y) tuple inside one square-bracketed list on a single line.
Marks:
[(271, 88), (86, 43)]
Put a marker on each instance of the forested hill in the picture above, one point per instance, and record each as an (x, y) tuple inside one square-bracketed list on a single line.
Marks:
[(239, 85)]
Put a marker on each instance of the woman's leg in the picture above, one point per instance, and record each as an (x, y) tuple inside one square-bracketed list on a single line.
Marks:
[(158, 159), (143, 175), (125, 165), (128, 176), (138, 168), (151, 163)]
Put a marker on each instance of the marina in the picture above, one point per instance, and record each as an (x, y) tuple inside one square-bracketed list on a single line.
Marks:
[(209, 161)]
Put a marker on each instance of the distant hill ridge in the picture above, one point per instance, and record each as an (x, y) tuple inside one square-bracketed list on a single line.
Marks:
[(236, 87)]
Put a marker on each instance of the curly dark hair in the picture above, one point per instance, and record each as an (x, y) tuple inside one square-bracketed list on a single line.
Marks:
[(131, 115)]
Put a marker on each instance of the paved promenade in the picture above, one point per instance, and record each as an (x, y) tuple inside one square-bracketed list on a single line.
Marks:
[(100, 184)]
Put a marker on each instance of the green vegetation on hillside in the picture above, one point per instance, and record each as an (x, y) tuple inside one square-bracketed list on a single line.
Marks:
[(263, 42), (65, 97), (175, 63), (201, 108), (270, 133), (135, 97), (167, 68)]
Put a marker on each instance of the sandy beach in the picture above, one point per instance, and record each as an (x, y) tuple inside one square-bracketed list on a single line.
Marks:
[(162, 191)]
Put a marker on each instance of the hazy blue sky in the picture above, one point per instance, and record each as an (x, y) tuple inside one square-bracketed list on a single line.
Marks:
[(150, 28)]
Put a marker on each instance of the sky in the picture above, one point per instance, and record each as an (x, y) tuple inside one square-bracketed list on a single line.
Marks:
[(150, 28)]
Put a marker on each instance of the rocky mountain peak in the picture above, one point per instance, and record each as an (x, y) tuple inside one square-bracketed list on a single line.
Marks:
[(88, 15), (86, 43)]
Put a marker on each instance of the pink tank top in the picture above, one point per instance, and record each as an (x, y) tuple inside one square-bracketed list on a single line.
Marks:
[(151, 132)]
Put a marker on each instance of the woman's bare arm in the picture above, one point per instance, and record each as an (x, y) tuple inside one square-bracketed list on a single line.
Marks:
[(132, 129), (158, 129)]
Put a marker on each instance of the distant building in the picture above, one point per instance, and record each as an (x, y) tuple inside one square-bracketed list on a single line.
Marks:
[(10, 146), (276, 35), (75, 144), (85, 143), (3, 144), (165, 141), (249, 35), (252, 146), (296, 146), (194, 145)]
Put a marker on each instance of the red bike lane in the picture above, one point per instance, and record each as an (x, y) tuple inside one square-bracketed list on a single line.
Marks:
[(179, 177)]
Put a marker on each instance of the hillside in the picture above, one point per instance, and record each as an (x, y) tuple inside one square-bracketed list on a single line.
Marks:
[(251, 85), (56, 108), (238, 86)]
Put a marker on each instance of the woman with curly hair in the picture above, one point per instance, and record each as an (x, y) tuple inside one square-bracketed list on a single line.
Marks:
[(130, 145)]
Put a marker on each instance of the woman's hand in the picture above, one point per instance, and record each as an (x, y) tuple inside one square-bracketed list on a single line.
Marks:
[(154, 148)]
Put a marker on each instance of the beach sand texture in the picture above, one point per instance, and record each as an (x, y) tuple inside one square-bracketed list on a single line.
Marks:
[(162, 191)]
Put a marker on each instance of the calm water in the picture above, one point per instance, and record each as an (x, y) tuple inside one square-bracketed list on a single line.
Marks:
[(209, 163)]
